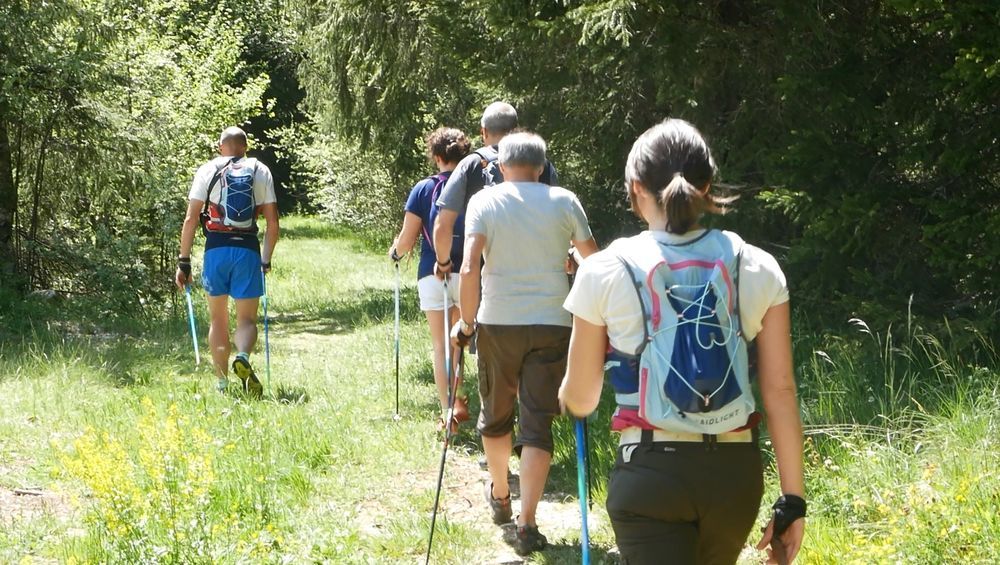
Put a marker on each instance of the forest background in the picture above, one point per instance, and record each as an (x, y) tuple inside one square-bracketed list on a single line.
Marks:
[(860, 137)]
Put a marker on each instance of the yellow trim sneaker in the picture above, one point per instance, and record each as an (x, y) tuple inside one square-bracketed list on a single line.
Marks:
[(243, 370)]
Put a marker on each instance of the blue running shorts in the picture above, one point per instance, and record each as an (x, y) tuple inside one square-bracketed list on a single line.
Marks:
[(234, 271)]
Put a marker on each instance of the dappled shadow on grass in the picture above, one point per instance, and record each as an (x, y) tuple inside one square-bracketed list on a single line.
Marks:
[(313, 230), (371, 306), (570, 553), (291, 395)]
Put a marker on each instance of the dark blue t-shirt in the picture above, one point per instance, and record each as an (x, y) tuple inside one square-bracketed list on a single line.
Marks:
[(422, 203)]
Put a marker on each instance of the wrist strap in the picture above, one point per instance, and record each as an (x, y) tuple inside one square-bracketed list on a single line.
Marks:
[(445, 264), (787, 509)]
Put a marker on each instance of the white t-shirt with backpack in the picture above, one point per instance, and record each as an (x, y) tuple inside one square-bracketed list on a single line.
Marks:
[(688, 330), (263, 183)]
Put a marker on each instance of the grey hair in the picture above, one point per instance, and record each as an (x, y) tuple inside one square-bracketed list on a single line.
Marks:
[(522, 148), (233, 133), (499, 117)]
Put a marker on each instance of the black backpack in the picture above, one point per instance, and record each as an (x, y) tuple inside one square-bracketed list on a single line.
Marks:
[(492, 175)]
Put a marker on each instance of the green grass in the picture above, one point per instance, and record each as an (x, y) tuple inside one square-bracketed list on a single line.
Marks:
[(141, 461)]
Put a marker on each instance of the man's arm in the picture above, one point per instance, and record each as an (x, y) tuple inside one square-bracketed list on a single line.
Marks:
[(586, 248), (187, 239), (270, 213), (444, 231), (469, 277)]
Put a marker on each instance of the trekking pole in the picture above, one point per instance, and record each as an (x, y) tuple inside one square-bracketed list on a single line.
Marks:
[(447, 423), (194, 331), (267, 340), (396, 414), (581, 487), (586, 461)]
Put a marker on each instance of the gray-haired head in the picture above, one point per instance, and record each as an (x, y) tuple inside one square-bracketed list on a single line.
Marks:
[(499, 118), (233, 134), (522, 149)]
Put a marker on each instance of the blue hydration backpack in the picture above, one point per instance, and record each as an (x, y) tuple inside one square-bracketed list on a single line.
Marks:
[(690, 374), (237, 207)]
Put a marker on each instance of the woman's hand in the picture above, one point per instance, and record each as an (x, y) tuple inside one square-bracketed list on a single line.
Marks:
[(785, 547)]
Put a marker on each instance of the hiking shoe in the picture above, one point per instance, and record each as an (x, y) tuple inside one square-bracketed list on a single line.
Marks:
[(222, 384), (243, 370), (500, 507), (526, 539)]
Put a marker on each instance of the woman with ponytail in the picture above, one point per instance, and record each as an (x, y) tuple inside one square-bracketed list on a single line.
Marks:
[(688, 479), (445, 148)]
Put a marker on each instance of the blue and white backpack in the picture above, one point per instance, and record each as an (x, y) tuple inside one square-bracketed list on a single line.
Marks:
[(690, 374), (236, 210)]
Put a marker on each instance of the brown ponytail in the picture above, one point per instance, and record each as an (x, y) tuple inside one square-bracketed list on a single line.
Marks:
[(673, 155), (683, 204), (449, 144)]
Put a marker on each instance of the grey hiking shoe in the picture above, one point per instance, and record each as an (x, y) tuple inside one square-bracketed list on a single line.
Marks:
[(525, 539), (243, 370), (499, 507)]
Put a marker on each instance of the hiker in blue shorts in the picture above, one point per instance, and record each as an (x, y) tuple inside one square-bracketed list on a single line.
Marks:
[(227, 196), (669, 313), (445, 148)]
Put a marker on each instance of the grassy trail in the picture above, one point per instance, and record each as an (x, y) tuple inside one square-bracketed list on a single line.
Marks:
[(114, 448), (320, 473)]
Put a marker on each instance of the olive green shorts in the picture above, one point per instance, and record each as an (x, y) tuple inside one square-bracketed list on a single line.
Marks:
[(521, 366)]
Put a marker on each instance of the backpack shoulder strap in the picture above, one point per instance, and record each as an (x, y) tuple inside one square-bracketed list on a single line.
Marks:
[(439, 181), (637, 285), (739, 245), (215, 179), (484, 157)]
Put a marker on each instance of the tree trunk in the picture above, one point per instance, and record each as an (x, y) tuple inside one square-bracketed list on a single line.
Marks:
[(34, 270), (8, 204)]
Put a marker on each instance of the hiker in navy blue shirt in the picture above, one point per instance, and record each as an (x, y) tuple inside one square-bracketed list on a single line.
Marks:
[(446, 147)]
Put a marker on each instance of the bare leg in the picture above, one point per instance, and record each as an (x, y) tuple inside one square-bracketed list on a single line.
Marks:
[(218, 333), (498, 451), (535, 464), (455, 315), (246, 324), (435, 318)]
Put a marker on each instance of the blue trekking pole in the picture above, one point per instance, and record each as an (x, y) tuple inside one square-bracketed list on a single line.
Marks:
[(194, 332), (267, 341), (581, 487)]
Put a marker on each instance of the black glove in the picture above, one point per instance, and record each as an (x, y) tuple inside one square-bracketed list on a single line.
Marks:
[(184, 266), (787, 509)]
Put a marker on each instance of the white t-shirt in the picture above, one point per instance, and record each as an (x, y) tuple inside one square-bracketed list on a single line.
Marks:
[(605, 295), (528, 228), (263, 184)]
